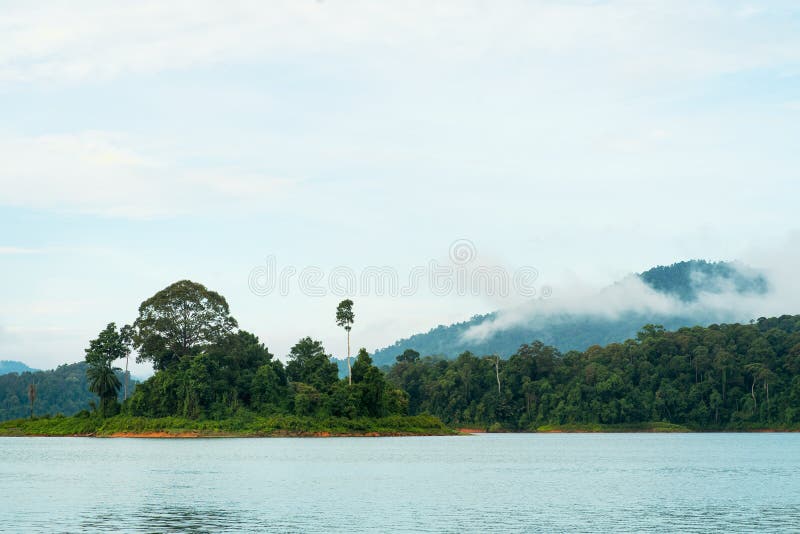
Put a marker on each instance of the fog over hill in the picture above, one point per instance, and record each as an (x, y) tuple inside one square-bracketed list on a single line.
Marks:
[(695, 292)]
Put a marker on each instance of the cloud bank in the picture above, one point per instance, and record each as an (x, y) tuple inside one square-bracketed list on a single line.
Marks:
[(632, 295)]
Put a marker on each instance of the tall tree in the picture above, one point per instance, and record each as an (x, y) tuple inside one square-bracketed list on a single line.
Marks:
[(126, 337), (109, 346), (179, 321), (345, 319)]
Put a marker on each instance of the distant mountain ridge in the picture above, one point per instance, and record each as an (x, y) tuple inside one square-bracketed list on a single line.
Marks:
[(12, 366), (685, 281)]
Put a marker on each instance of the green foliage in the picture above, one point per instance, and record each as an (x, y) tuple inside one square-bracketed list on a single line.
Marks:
[(595, 427), (109, 346), (409, 355), (309, 364), (239, 373), (344, 314), (733, 376), (178, 321), (243, 423)]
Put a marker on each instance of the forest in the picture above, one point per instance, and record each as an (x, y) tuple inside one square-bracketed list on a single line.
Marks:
[(720, 377), (63, 390)]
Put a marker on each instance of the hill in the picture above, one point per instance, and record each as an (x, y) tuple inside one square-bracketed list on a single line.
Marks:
[(62, 390), (11, 366), (570, 329)]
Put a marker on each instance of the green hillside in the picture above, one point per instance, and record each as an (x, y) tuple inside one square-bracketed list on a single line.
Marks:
[(62, 390)]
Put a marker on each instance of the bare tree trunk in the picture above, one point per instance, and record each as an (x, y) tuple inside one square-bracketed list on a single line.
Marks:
[(32, 396), (497, 372), (724, 381), (349, 368), (126, 378), (753, 394)]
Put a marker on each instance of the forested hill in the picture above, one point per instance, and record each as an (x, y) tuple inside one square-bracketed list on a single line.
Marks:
[(687, 279), (734, 377), (11, 366), (684, 281), (62, 390)]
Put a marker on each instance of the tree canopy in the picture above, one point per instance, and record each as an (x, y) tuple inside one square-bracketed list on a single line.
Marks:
[(179, 321)]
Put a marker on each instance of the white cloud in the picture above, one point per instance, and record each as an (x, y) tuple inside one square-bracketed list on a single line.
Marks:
[(101, 40), (12, 251), (95, 172)]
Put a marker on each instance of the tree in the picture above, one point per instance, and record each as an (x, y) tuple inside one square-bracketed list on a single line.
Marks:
[(126, 337), (371, 385), (32, 395), (110, 345), (104, 383), (179, 321), (409, 355), (345, 319), (309, 364)]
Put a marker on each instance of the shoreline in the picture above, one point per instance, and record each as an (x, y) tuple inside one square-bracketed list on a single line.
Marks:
[(222, 435), (253, 426), (296, 434), (244, 425), (632, 430)]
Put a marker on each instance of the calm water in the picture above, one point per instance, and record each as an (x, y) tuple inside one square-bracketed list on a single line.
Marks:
[(575, 482)]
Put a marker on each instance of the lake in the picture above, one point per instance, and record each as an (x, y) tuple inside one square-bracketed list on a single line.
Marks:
[(481, 483)]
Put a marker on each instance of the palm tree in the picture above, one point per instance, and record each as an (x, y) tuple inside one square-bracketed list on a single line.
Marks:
[(345, 319), (103, 382)]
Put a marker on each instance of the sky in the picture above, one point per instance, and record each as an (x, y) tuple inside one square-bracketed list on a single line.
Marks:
[(566, 143)]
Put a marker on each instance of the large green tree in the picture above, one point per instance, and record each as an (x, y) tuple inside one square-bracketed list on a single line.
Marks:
[(179, 321)]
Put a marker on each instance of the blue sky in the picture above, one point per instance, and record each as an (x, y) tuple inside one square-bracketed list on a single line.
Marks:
[(150, 142)]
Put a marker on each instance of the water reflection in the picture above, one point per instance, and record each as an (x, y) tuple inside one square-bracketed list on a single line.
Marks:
[(168, 517)]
